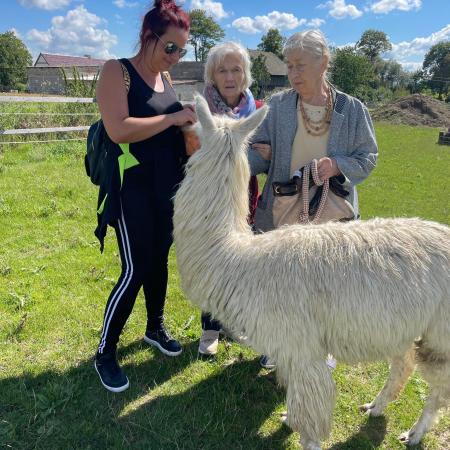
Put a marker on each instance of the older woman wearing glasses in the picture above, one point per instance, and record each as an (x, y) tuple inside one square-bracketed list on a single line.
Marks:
[(139, 108), (312, 120)]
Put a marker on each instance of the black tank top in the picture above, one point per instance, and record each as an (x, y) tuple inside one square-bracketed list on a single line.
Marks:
[(163, 154)]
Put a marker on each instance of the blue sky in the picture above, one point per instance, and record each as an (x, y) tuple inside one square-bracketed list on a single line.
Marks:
[(110, 28)]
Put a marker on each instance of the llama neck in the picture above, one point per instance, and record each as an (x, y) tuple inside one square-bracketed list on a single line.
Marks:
[(211, 209), (212, 202), (210, 216)]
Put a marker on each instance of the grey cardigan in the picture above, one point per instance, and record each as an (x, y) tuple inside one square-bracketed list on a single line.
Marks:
[(351, 142)]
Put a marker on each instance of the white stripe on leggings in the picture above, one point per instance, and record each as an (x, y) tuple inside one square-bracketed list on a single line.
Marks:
[(124, 284)]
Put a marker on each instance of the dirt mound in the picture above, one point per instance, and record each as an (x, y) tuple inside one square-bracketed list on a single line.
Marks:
[(416, 110)]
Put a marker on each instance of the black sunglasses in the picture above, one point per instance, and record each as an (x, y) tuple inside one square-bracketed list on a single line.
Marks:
[(170, 47)]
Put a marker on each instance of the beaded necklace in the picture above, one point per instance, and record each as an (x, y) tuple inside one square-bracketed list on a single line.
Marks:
[(317, 127)]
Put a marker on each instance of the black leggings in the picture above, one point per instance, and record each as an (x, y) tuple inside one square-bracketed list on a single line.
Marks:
[(208, 323), (144, 236)]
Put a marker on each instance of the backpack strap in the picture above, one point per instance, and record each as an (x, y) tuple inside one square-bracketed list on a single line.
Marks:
[(167, 76), (126, 160), (126, 76)]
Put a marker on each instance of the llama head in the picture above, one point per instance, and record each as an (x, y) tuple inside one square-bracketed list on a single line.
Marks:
[(224, 135)]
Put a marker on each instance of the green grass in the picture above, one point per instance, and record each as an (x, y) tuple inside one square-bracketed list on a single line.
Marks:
[(45, 115), (53, 288)]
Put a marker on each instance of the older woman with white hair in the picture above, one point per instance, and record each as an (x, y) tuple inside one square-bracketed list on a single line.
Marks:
[(312, 121), (227, 80)]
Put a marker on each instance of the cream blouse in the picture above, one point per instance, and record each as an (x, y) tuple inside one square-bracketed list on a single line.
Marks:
[(306, 146)]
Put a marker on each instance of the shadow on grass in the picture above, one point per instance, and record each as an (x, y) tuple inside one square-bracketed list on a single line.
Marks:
[(62, 410), (226, 410), (369, 436)]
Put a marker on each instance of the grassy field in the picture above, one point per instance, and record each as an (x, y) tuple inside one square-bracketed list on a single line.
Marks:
[(53, 288)]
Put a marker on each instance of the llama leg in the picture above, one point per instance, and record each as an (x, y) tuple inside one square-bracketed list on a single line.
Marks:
[(429, 415), (401, 369), (435, 368), (310, 402)]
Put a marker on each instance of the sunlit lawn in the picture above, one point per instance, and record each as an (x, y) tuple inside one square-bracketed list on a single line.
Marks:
[(53, 288)]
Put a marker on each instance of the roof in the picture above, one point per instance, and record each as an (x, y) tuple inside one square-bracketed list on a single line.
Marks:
[(275, 66), (67, 60)]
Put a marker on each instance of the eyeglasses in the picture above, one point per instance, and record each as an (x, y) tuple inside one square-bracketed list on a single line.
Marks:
[(170, 47)]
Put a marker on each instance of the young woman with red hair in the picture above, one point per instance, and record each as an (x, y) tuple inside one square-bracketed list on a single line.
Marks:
[(139, 108)]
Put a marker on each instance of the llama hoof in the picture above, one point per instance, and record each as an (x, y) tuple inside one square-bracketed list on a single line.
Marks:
[(284, 417), (366, 407), (410, 437), (371, 409)]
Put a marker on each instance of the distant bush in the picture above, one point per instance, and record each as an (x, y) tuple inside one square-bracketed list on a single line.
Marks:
[(399, 93), (78, 86)]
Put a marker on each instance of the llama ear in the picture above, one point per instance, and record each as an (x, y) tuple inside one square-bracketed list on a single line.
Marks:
[(248, 126), (204, 115)]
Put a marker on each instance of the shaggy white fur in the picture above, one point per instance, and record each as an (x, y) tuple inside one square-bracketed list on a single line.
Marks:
[(362, 290)]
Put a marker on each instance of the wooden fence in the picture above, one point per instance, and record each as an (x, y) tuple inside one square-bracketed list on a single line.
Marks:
[(46, 130)]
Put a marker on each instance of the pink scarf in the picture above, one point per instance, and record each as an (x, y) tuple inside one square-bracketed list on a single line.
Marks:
[(217, 105)]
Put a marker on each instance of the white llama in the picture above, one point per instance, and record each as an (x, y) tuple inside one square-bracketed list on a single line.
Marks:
[(362, 290)]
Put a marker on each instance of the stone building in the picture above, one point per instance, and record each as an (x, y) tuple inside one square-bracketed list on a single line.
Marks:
[(187, 76), (187, 79), (46, 76)]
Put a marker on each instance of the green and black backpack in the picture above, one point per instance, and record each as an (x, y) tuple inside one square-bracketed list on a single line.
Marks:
[(101, 151)]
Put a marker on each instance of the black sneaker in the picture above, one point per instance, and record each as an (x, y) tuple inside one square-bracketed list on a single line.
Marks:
[(267, 363), (162, 340), (110, 373)]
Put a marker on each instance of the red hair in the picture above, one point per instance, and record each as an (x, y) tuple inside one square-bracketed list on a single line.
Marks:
[(164, 14)]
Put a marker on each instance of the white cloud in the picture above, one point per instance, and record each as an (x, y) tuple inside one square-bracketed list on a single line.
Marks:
[(215, 9), (16, 33), (77, 33), (275, 19), (420, 45), (340, 10), (245, 25), (404, 51), (411, 66), (125, 4), (386, 6), (38, 38), (45, 4), (316, 23)]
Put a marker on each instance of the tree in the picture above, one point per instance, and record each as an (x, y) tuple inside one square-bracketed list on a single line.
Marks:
[(272, 42), (204, 33), (260, 75), (436, 67), (14, 59), (351, 72), (390, 73), (372, 43), (417, 82)]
